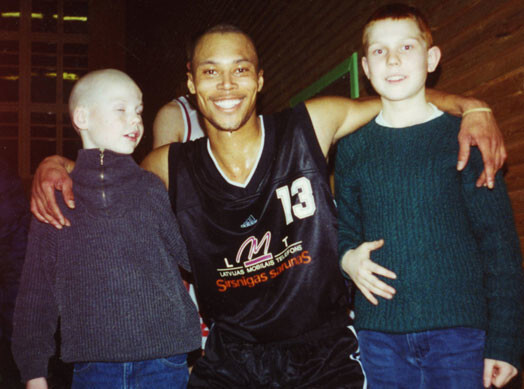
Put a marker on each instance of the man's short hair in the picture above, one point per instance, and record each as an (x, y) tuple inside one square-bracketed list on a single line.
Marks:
[(222, 28), (398, 11)]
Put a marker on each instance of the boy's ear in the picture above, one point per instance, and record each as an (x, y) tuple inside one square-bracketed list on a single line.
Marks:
[(80, 118), (190, 83), (434, 55), (365, 66)]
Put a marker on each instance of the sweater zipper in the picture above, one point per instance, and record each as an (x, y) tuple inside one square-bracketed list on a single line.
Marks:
[(104, 201)]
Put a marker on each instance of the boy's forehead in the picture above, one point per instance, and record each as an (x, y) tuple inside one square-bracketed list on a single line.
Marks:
[(224, 47), (388, 29), (111, 89)]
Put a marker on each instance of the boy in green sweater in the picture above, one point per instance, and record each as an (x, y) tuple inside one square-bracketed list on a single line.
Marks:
[(453, 314)]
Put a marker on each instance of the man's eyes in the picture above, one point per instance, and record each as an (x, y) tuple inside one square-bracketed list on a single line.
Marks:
[(242, 70), (214, 72)]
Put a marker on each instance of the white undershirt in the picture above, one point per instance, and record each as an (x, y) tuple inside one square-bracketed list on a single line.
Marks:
[(435, 114)]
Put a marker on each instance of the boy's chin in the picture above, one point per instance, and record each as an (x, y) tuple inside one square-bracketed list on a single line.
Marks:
[(121, 151)]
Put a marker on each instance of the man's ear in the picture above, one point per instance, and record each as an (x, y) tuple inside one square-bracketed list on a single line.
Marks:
[(80, 118), (190, 83), (434, 55), (260, 80), (365, 66)]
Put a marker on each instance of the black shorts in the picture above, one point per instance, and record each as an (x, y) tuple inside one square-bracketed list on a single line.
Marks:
[(326, 359)]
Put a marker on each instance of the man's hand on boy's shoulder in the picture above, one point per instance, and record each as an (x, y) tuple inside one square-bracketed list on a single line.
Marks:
[(52, 173), (480, 129), (498, 373)]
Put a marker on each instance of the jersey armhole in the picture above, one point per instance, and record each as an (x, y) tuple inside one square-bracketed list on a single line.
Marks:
[(311, 137)]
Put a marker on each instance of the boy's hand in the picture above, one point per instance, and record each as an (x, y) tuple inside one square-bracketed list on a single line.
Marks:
[(497, 373), (50, 175), (36, 383), (359, 266), (480, 129)]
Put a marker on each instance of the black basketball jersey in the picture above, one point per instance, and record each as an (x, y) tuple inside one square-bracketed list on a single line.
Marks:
[(264, 256)]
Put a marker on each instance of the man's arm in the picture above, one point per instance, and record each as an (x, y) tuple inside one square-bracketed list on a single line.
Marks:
[(52, 173), (169, 125), (335, 117), (157, 162), (477, 129)]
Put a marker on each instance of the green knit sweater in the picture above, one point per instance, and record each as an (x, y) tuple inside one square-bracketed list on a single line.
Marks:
[(453, 246)]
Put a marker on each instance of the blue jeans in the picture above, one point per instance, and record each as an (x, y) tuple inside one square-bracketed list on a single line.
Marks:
[(448, 358), (162, 373)]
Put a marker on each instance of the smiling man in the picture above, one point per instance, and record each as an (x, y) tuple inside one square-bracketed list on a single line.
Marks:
[(257, 214)]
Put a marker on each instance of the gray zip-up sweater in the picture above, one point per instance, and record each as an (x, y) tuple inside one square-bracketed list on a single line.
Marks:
[(112, 277)]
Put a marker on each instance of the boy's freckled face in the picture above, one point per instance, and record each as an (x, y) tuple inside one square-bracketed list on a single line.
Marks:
[(396, 61), (115, 117)]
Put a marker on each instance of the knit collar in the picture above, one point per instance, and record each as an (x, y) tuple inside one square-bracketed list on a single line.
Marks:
[(102, 178)]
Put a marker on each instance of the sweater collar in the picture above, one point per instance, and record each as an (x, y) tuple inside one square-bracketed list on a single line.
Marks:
[(102, 178)]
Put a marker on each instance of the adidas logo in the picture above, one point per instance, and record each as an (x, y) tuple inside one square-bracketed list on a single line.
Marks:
[(249, 222)]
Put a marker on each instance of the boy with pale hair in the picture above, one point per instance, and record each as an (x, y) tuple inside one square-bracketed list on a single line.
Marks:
[(112, 278), (453, 315)]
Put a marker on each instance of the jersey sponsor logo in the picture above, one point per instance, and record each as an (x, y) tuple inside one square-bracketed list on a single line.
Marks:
[(254, 256), (254, 248)]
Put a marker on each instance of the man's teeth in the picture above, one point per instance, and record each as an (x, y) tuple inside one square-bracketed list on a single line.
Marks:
[(226, 104), (395, 78)]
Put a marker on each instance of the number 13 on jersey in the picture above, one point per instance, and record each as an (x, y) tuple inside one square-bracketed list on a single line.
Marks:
[(305, 207)]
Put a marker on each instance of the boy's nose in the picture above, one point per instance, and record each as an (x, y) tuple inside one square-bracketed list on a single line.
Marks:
[(136, 118), (393, 59)]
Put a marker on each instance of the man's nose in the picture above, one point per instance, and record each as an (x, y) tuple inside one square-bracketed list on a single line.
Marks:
[(227, 81)]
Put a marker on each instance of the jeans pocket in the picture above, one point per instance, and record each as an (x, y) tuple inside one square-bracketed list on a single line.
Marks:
[(82, 367), (178, 361)]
